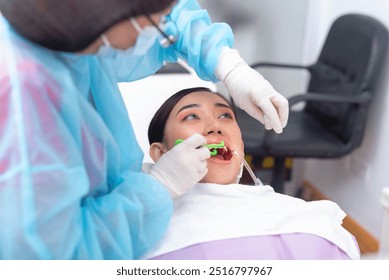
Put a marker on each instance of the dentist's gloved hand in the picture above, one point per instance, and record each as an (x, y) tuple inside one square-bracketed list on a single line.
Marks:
[(251, 91), (183, 166)]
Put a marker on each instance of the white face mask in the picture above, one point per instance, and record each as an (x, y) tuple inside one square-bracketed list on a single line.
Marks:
[(145, 40)]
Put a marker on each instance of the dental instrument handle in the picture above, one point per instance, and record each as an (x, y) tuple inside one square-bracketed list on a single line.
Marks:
[(211, 147), (257, 181)]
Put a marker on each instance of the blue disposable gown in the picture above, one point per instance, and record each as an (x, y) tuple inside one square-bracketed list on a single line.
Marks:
[(71, 185)]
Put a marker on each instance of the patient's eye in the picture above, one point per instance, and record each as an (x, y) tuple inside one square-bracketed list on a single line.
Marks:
[(226, 116), (190, 117)]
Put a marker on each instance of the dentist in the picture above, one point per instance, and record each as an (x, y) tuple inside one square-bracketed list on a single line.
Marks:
[(71, 185)]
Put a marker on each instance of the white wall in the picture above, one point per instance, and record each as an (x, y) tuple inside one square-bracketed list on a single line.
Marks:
[(356, 181), (266, 31)]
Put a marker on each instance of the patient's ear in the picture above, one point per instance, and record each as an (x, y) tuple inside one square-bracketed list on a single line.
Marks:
[(157, 150)]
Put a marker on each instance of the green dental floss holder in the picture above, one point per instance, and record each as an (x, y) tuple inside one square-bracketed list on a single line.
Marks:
[(212, 147)]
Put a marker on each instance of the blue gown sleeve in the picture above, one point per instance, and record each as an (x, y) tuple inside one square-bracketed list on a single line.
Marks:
[(63, 193), (200, 41)]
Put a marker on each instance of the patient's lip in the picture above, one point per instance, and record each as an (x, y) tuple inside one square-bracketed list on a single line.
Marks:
[(216, 141)]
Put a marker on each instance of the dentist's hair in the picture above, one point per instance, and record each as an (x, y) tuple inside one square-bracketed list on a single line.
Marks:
[(72, 25)]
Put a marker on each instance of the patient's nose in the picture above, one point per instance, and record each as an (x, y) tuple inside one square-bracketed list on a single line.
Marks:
[(213, 128), (214, 131)]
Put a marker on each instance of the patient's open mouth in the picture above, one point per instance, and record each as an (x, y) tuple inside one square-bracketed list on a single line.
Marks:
[(224, 152), (219, 150)]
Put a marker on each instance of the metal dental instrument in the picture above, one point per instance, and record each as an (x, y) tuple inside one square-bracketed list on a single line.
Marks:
[(257, 182)]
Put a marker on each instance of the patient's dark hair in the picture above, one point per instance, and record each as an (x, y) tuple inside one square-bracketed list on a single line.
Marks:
[(157, 125)]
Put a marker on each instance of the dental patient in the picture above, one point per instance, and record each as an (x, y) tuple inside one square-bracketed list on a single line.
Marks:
[(222, 219)]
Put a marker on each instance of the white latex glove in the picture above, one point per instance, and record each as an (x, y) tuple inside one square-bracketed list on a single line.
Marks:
[(183, 166), (251, 91)]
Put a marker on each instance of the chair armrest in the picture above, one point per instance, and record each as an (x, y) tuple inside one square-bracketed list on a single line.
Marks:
[(280, 65), (364, 97)]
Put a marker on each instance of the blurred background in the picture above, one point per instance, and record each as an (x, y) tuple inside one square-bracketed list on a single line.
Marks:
[(287, 31)]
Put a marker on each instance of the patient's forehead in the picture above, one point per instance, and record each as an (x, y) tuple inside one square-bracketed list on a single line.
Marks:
[(199, 97)]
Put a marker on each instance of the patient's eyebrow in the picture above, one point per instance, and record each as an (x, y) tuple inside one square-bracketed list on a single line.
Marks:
[(198, 106), (222, 105), (187, 107)]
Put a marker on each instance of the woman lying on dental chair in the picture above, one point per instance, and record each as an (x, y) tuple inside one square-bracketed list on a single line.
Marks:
[(221, 219)]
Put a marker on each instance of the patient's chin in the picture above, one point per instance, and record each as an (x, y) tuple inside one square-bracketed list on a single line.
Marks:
[(217, 176)]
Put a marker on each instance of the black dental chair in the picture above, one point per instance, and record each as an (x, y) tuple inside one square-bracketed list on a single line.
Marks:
[(341, 86)]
